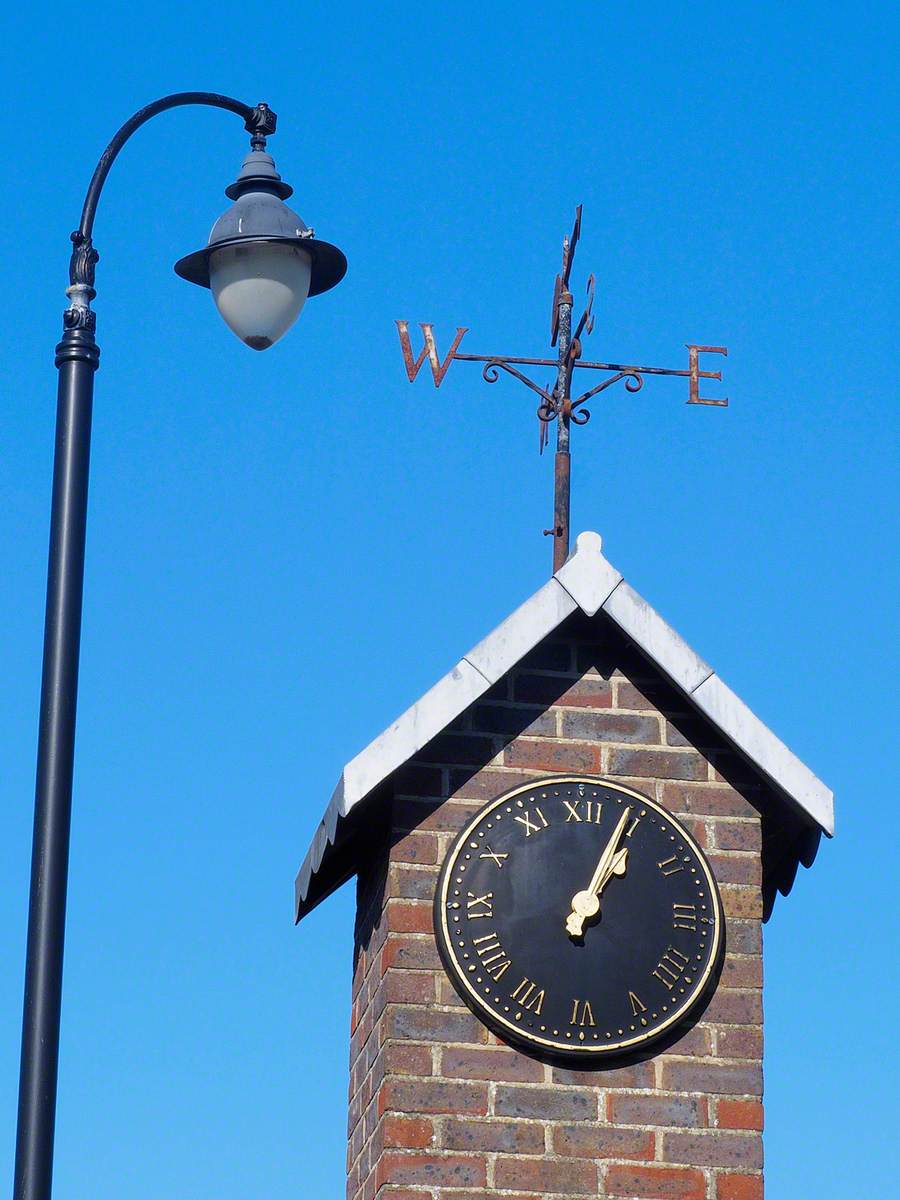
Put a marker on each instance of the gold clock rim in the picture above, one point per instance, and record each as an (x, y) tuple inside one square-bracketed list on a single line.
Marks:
[(521, 1033)]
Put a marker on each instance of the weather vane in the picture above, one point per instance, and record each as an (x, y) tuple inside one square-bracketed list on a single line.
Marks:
[(556, 402)]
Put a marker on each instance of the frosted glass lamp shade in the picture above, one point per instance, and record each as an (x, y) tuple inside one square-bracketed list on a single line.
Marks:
[(261, 259), (259, 288)]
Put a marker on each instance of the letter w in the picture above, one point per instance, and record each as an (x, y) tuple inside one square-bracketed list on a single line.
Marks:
[(438, 369)]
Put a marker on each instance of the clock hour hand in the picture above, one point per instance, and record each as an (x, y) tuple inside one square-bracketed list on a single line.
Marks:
[(587, 903)]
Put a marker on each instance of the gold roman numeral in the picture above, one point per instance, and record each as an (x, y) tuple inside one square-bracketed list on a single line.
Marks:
[(632, 827), (592, 810), (529, 996), (582, 1014), (670, 967), (493, 956), (530, 826), (637, 1004), (670, 866), (480, 906), (684, 916), (499, 859)]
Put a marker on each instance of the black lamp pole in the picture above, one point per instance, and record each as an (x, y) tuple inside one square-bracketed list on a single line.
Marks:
[(77, 357)]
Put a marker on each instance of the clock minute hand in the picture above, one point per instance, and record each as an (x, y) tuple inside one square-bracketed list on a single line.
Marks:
[(587, 903), (599, 877)]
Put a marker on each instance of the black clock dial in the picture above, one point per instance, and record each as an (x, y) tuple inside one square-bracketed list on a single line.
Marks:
[(579, 918)]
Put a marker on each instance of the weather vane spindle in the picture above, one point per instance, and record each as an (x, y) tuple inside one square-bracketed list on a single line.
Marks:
[(556, 400)]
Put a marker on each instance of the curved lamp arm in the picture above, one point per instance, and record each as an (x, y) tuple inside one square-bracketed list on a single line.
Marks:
[(259, 121)]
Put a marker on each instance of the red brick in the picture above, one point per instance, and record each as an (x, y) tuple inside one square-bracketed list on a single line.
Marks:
[(697, 827), (390, 1192), (655, 1183), (739, 1114), (416, 848), (544, 1175), (550, 1104), (737, 868), (598, 1141), (403, 1059), (738, 835), (469, 1063), (553, 756), (410, 883), (486, 784), (740, 901), (744, 937), (487, 1195), (405, 916), (357, 1009), (678, 1111), (588, 692), (408, 1133), (447, 993), (742, 972), (431, 1170), (420, 1024), (641, 1075), (611, 727), (491, 1136), (433, 1096), (697, 1042), (739, 1187), (714, 1149), (355, 1145), (408, 987), (735, 1041), (411, 953), (657, 764), (713, 1078), (470, 1194), (714, 800), (734, 1007)]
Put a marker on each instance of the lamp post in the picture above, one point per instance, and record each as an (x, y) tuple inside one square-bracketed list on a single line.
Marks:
[(261, 263)]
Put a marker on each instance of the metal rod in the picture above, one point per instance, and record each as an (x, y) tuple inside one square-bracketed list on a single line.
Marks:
[(77, 358), (562, 464), (591, 366)]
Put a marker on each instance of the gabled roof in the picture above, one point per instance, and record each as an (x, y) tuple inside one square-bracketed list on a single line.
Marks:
[(586, 581)]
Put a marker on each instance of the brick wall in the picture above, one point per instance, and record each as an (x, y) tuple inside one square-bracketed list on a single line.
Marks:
[(440, 1108)]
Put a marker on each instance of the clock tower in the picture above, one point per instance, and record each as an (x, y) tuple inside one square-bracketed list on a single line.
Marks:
[(564, 854)]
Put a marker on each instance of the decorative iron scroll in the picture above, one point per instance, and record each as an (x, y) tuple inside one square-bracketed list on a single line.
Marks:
[(557, 403)]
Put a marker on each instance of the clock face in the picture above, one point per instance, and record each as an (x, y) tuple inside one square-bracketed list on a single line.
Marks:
[(579, 919)]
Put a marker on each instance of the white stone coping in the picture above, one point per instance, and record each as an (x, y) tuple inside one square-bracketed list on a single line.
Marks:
[(586, 581)]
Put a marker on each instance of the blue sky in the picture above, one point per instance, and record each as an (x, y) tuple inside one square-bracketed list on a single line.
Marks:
[(286, 549)]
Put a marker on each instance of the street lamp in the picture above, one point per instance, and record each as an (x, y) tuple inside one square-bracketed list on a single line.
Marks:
[(261, 263)]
